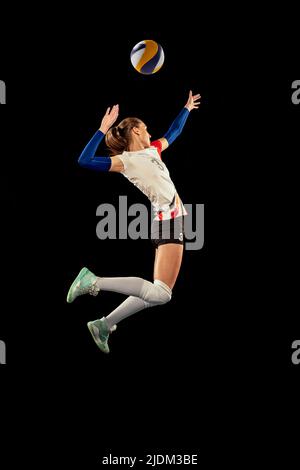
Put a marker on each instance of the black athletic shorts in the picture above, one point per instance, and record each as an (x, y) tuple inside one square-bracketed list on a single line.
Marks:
[(167, 231)]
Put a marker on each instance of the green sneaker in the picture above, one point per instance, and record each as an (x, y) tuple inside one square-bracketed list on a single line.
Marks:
[(85, 283), (100, 333)]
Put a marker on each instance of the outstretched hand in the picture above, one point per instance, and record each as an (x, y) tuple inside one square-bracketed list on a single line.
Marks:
[(193, 101), (109, 118)]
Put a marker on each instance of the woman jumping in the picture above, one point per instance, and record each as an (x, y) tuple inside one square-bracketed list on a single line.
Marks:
[(139, 159)]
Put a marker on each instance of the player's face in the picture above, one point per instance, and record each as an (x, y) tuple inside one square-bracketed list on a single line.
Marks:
[(145, 136)]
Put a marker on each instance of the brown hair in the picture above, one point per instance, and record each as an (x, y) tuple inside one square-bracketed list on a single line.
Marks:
[(118, 137)]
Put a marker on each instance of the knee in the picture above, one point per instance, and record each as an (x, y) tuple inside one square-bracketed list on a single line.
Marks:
[(159, 293), (164, 297), (164, 292)]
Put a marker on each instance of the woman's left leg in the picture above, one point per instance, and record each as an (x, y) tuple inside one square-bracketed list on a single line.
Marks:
[(161, 294), (166, 268), (167, 264)]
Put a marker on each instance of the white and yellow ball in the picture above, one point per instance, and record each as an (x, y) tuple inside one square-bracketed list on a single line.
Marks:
[(147, 57)]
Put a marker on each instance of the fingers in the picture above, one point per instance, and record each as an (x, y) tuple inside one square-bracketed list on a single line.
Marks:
[(113, 110), (195, 99)]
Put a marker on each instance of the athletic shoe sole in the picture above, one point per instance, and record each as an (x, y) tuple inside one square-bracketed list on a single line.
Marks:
[(73, 286), (104, 348)]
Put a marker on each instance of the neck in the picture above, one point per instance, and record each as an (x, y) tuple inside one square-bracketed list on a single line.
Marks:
[(135, 146)]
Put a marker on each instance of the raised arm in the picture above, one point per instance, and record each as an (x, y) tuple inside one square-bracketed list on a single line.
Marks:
[(177, 125), (87, 158)]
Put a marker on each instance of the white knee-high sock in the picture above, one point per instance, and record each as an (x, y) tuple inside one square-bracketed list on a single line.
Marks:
[(155, 293), (127, 308), (143, 294)]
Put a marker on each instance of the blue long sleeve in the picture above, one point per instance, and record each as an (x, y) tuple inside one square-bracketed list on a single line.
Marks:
[(88, 159), (177, 126)]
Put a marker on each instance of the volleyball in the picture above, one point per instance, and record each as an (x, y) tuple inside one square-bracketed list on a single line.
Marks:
[(147, 57)]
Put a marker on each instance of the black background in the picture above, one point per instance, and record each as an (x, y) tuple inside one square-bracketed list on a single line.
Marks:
[(211, 371)]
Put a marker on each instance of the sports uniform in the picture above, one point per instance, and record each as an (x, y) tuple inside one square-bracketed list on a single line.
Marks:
[(146, 170)]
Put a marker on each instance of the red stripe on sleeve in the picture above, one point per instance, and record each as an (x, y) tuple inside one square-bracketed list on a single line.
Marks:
[(158, 145)]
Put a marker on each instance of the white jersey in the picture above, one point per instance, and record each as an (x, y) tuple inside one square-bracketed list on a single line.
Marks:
[(146, 170)]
